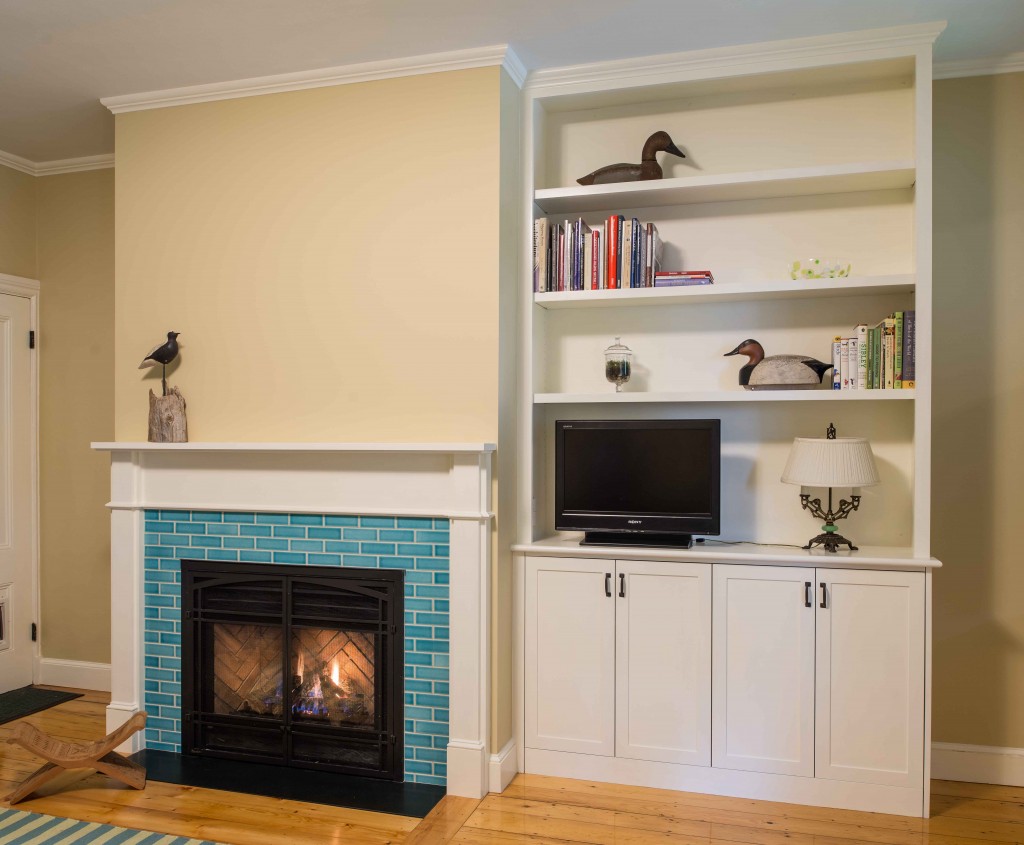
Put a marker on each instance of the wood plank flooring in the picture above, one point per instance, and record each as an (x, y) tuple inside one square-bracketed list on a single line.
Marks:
[(534, 809)]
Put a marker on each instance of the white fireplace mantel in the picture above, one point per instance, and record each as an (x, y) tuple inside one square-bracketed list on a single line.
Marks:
[(451, 480)]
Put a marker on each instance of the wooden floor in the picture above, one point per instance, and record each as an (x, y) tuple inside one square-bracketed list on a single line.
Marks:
[(534, 809)]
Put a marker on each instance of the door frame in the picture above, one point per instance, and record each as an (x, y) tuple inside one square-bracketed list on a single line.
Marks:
[(29, 289)]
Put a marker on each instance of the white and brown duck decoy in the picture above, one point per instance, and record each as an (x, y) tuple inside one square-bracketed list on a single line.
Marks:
[(777, 372), (648, 168)]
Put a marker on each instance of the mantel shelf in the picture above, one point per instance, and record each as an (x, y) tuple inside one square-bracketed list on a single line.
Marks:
[(728, 292), (727, 187), (738, 395), (293, 447)]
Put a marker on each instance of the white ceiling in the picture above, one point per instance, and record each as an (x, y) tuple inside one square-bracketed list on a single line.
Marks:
[(58, 57)]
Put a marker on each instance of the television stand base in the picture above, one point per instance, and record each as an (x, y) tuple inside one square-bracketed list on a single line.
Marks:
[(648, 541)]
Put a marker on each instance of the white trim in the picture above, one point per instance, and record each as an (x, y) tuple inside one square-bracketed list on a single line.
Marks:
[(502, 767), (978, 763), (444, 448), (744, 58), (491, 56), (78, 674), (252, 506), (74, 165), (62, 165), (1010, 63), (19, 286), (514, 67), (18, 163)]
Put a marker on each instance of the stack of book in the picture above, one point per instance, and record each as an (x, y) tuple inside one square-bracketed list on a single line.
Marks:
[(571, 255), (877, 357), (682, 278)]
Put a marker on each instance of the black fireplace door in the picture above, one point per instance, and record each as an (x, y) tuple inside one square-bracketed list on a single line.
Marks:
[(300, 666)]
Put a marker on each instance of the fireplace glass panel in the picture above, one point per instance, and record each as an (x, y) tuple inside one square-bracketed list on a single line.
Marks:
[(247, 670), (333, 677)]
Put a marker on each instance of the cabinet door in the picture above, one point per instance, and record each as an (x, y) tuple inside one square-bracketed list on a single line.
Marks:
[(870, 677), (663, 662), (570, 655), (763, 669)]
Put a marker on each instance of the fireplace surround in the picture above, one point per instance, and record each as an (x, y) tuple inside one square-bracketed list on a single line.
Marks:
[(215, 490)]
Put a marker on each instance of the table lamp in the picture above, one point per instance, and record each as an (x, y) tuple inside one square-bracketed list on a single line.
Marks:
[(830, 461)]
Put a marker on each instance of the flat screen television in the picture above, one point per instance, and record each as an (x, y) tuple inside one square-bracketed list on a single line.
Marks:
[(638, 482)]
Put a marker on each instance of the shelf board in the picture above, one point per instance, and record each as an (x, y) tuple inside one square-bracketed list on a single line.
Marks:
[(726, 187), (738, 395), (727, 292)]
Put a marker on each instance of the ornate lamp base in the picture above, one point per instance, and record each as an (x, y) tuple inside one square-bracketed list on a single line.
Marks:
[(830, 540)]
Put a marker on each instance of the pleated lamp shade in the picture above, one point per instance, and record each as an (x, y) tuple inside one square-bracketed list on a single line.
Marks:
[(841, 462)]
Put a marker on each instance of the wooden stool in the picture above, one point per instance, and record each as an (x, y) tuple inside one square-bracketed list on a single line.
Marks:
[(60, 755)]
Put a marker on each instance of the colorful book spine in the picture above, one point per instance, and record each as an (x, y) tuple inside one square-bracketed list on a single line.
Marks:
[(837, 363), (861, 334), (876, 350), (897, 381), (614, 230), (844, 363), (854, 360), (888, 352), (909, 355)]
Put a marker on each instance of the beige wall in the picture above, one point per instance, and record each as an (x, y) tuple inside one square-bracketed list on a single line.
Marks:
[(17, 223), (76, 406), (978, 411), (329, 256)]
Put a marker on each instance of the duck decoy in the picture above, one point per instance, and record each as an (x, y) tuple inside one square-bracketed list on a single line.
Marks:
[(162, 355), (777, 372), (648, 168)]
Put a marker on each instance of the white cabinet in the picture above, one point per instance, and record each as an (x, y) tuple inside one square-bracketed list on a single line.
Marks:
[(764, 669), (870, 676), (570, 652), (619, 657), (663, 662)]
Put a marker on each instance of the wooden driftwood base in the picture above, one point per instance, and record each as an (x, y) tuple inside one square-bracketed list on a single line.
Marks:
[(167, 422)]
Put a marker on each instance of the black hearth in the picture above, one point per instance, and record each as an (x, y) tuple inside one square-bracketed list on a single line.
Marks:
[(299, 666)]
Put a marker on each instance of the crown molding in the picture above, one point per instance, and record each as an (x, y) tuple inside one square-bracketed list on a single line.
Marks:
[(495, 55), (514, 67), (848, 46), (1010, 63), (52, 168)]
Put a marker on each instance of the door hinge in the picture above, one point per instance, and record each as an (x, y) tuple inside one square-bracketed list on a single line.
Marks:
[(31, 340), (35, 632)]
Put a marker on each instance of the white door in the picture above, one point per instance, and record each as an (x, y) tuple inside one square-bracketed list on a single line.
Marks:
[(870, 678), (663, 663), (763, 669), (16, 495), (570, 655)]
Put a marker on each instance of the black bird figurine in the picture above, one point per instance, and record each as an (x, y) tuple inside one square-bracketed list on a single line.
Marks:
[(162, 355), (777, 371), (648, 168)]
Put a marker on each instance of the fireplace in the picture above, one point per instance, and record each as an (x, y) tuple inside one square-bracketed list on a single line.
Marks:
[(299, 668)]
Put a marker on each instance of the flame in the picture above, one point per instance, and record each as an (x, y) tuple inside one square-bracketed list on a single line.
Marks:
[(335, 672), (299, 669), (316, 692)]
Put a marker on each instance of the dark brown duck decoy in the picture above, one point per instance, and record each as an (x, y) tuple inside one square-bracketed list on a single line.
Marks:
[(648, 168), (777, 371)]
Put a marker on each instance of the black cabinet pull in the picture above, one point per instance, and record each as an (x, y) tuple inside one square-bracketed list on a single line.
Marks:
[(622, 585), (824, 596), (608, 584), (807, 593)]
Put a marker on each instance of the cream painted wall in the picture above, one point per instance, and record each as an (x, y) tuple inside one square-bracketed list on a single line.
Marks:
[(17, 223), (330, 257), (978, 408), (76, 405)]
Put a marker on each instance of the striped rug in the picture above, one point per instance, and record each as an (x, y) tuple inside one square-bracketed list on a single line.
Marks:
[(18, 828)]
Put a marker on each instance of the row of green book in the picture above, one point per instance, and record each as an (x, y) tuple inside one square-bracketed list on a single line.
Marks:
[(879, 357)]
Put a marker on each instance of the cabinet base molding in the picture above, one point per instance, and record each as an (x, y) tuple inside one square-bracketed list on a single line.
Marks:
[(816, 792), (978, 763)]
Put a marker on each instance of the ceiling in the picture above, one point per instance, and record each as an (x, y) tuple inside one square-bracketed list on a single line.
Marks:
[(58, 57)]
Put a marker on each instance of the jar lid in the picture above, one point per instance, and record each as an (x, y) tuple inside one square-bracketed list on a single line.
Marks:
[(618, 347)]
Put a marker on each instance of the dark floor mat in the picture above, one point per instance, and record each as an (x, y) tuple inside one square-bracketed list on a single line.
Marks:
[(28, 700)]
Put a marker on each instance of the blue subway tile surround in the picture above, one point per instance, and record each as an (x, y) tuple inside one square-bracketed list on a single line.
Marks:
[(305, 540)]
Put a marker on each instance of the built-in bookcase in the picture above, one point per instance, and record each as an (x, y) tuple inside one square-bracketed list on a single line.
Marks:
[(811, 148)]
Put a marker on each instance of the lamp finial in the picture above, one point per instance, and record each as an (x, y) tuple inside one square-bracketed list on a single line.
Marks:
[(830, 432)]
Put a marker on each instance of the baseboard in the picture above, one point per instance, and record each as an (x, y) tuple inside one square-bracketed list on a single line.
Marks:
[(73, 673), (978, 763), (502, 767)]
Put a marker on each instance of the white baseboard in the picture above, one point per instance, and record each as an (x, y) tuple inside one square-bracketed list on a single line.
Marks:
[(978, 763), (73, 673), (502, 767)]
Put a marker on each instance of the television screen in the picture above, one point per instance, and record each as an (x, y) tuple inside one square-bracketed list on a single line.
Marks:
[(638, 477)]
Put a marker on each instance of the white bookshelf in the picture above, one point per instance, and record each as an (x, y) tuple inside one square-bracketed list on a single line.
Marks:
[(739, 395)]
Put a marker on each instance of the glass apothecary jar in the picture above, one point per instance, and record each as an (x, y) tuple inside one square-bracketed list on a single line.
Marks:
[(618, 364)]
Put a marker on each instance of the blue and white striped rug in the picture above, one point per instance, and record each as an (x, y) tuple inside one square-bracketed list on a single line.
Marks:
[(18, 828)]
